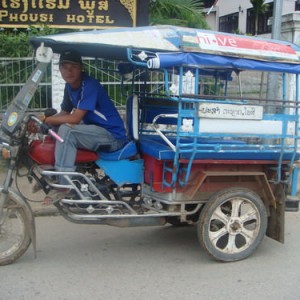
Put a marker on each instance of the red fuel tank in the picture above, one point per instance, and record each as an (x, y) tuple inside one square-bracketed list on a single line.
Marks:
[(42, 152)]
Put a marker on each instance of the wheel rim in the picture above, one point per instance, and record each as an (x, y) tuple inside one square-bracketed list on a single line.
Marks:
[(234, 225), (12, 232)]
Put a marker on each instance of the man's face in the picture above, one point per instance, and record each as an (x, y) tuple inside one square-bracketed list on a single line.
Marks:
[(71, 73)]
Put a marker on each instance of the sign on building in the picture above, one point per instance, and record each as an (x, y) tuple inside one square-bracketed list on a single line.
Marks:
[(80, 14)]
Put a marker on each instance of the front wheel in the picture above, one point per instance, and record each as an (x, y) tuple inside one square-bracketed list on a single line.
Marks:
[(232, 224), (14, 233)]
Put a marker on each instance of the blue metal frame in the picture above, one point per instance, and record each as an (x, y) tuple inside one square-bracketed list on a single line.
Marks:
[(193, 149)]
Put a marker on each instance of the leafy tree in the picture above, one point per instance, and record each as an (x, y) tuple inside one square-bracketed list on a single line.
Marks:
[(187, 13), (15, 43), (259, 8)]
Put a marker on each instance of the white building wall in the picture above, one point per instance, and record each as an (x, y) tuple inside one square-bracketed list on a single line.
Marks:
[(288, 6), (212, 19), (227, 7)]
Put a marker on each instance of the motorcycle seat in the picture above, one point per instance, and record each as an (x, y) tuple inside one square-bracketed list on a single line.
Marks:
[(127, 151)]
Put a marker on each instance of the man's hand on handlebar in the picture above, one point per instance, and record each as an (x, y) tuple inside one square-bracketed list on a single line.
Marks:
[(45, 128), (36, 123)]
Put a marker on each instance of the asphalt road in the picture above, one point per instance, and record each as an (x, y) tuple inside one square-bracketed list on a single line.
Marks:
[(101, 262)]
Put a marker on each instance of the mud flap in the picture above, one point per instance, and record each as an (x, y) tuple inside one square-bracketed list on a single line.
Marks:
[(275, 228)]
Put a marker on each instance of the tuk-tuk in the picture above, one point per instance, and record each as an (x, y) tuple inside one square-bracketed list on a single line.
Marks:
[(212, 121)]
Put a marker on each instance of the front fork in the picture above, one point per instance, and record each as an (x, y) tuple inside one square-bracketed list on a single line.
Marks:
[(7, 183), (6, 193)]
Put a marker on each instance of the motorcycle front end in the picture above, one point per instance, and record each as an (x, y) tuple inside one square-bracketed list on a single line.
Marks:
[(17, 225)]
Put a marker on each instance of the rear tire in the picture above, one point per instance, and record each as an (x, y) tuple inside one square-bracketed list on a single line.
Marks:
[(232, 224), (14, 233)]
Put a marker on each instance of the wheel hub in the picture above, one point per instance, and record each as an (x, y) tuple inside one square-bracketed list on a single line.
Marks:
[(234, 226)]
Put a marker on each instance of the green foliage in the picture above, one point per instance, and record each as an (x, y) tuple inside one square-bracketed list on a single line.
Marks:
[(15, 43), (259, 8), (187, 13), (13, 73)]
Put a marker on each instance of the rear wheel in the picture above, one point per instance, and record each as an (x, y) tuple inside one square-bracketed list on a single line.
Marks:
[(14, 233), (232, 224)]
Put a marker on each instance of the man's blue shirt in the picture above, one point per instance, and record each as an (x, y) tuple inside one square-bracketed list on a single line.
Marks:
[(91, 96)]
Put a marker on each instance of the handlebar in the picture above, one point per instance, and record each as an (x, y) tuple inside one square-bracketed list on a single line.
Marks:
[(50, 131), (55, 135)]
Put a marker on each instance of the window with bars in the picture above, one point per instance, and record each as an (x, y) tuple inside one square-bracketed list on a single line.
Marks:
[(229, 23), (263, 21)]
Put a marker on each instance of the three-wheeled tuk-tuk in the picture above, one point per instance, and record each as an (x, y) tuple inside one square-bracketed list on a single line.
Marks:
[(212, 122)]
